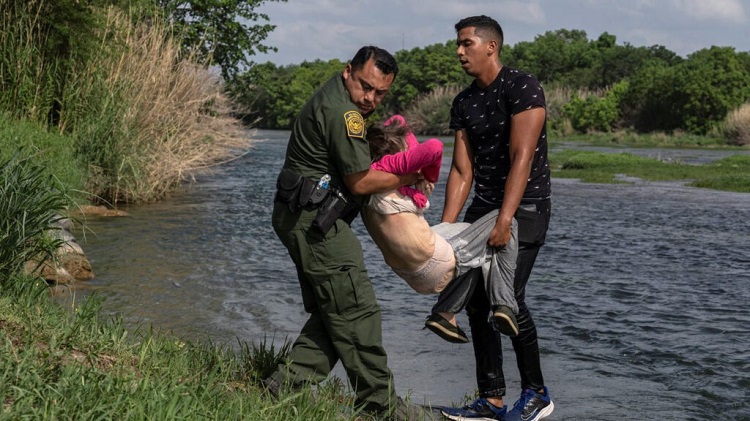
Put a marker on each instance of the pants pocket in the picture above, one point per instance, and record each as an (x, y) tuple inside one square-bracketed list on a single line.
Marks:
[(532, 224), (343, 292)]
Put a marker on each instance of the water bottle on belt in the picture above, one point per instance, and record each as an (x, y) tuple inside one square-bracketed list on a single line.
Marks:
[(323, 182)]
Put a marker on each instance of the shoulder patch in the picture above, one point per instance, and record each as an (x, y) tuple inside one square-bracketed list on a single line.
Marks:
[(355, 124)]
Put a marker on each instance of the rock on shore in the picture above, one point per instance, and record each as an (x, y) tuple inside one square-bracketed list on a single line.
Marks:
[(70, 264)]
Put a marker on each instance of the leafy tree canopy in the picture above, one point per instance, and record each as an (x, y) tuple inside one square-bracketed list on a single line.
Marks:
[(228, 31)]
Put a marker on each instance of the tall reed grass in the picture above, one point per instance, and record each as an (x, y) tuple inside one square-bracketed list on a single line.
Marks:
[(27, 78), (144, 115), (736, 126), (430, 113)]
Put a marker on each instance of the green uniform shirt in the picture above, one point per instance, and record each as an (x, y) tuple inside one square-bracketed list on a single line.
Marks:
[(328, 136)]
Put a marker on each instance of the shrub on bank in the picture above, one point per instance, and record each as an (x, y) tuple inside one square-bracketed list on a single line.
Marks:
[(70, 362), (54, 151), (430, 113)]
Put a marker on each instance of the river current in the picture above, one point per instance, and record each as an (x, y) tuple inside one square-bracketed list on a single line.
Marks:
[(641, 295)]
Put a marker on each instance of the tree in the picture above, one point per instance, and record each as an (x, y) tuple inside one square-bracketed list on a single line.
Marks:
[(596, 113), (694, 95), (710, 83), (422, 70), (273, 95), (555, 56), (227, 31)]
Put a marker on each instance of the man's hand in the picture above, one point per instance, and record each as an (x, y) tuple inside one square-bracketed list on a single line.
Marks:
[(425, 187), (500, 235)]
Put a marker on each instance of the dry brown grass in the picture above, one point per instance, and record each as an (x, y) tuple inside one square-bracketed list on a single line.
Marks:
[(430, 112), (173, 116), (736, 127)]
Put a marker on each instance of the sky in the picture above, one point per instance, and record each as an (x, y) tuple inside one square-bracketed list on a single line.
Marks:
[(307, 30)]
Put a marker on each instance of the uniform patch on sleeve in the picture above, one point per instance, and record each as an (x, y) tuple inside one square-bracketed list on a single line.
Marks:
[(355, 124)]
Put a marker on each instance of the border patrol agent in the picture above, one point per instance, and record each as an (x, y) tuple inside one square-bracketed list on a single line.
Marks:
[(325, 178)]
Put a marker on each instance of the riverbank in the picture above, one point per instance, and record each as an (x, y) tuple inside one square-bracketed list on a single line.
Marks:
[(72, 363), (612, 158)]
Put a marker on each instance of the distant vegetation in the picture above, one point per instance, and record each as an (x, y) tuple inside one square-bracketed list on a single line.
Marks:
[(728, 174), (142, 93), (592, 85)]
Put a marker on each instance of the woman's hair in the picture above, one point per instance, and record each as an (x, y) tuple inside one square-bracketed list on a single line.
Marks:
[(386, 140)]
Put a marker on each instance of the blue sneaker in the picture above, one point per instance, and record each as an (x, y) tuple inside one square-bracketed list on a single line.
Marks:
[(479, 410), (532, 406)]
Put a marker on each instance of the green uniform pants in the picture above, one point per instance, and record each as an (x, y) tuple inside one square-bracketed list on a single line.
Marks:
[(345, 320)]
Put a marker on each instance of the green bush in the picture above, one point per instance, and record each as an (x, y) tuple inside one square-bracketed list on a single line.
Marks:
[(55, 151), (596, 113)]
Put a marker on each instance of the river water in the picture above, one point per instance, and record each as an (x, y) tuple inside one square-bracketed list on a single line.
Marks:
[(641, 295)]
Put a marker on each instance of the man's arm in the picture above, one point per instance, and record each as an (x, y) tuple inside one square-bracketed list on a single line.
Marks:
[(374, 181), (524, 134), (460, 177)]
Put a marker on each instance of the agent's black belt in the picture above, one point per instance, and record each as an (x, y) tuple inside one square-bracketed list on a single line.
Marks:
[(299, 192)]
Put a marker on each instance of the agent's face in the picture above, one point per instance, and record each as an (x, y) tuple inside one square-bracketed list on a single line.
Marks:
[(367, 86), (474, 53)]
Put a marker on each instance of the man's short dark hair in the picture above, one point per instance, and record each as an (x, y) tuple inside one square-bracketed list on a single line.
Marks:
[(383, 59), (486, 27)]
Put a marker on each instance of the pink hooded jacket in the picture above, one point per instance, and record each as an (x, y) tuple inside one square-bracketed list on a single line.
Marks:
[(425, 157)]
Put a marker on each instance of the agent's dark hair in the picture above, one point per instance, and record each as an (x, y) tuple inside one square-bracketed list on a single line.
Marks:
[(386, 140), (485, 27), (383, 59)]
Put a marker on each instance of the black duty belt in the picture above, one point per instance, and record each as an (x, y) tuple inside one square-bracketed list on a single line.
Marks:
[(299, 192)]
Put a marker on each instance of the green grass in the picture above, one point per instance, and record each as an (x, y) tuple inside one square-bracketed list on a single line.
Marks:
[(69, 363), (627, 138), (729, 174), (31, 201), (56, 152)]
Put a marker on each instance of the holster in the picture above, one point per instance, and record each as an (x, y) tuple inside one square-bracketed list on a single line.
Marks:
[(297, 191), (336, 206)]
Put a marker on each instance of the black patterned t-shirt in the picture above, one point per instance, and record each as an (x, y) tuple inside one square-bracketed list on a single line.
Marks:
[(486, 114)]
